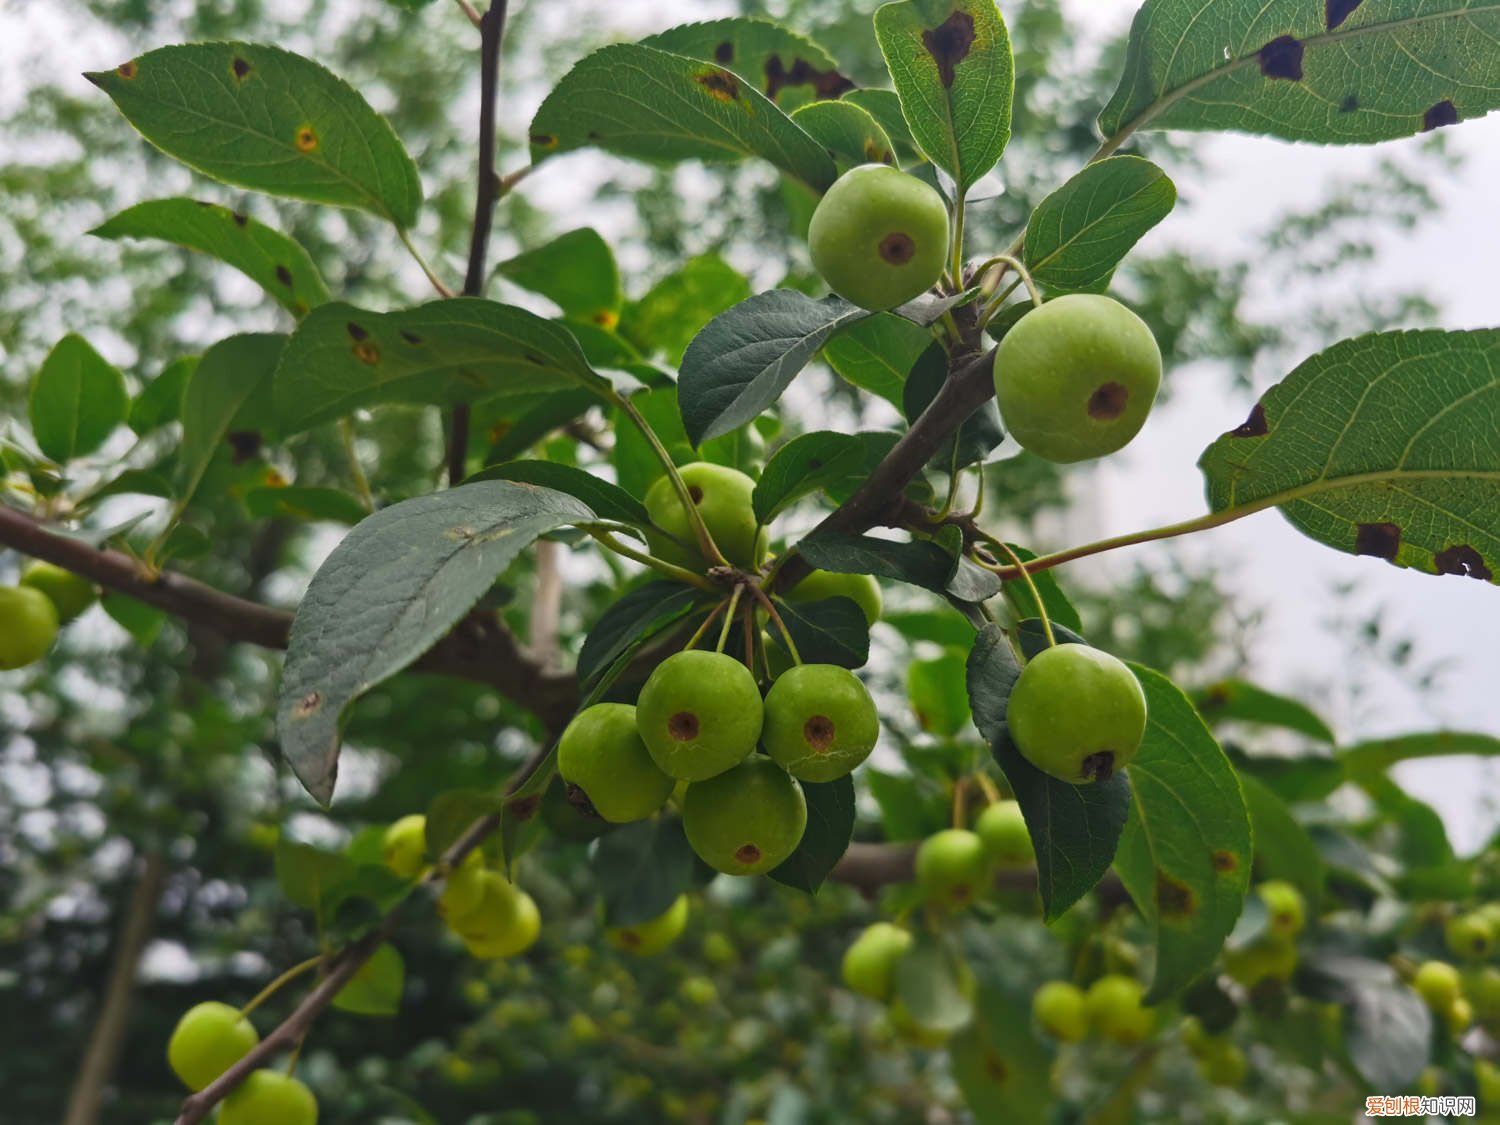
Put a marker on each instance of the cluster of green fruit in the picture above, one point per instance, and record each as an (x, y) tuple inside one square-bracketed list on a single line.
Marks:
[(1111, 1009), (491, 915), (209, 1039), (47, 598), (1273, 955), (1075, 378), (1460, 997)]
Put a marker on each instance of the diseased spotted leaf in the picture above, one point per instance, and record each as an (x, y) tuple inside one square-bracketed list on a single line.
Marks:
[(877, 354), (788, 68), (575, 271), (849, 133), (229, 393)]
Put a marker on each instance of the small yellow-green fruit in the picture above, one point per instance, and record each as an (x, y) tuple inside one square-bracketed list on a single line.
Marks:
[(869, 966), (1482, 987), (1077, 713), (1114, 1010), (601, 753), (820, 722), (952, 868), (722, 497), (1223, 1063), (699, 714), (209, 1039), (1470, 936), (719, 950), (1075, 379), (404, 848), (504, 923), (1438, 985), (879, 237), (463, 890), (1284, 904), (1007, 841), (1487, 1079), (1458, 1015), (862, 589), (1061, 1010), (70, 593), (268, 1097), (648, 938), (746, 821), (1270, 958), (28, 626), (698, 991)]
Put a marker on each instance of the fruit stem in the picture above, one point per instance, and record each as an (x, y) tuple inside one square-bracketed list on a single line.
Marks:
[(356, 470), (706, 542), (272, 988), (1025, 275), (702, 629), (987, 787), (291, 1062), (992, 307), (671, 570), (958, 240), (960, 794), (734, 600), (786, 634), (1036, 596), (437, 282), (747, 622)]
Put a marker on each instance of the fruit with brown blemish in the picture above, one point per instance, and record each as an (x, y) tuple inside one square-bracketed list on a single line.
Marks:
[(1076, 713), (879, 237), (699, 714), (721, 496), (861, 589), (1060, 1010), (28, 626), (820, 722), (746, 821), (1470, 936), (648, 938), (953, 869), (602, 756), (1284, 906), (404, 847), (1075, 378), (869, 965), (1113, 1006), (503, 923), (70, 593), (209, 1039), (1007, 840), (269, 1097)]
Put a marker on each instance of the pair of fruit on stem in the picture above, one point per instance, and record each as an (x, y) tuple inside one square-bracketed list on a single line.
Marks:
[(31, 613), (209, 1039)]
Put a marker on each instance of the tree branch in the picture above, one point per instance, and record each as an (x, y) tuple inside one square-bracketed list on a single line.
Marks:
[(869, 867)]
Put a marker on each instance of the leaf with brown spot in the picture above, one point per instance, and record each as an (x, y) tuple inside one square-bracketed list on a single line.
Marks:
[(951, 64), (775, 60), (229, 391), (849, 133), (575, 271), (1187, 821)]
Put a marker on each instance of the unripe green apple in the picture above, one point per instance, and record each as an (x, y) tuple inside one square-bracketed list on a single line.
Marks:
[(1438, 985), (862, 589), (504, 923), (1223, 1063), (1458, 1015), (268, 1097), (879, 237), (869, 966), (1113, 1006), (745, 821), (1470, 936), (648, 938), (209, 1039), (699, 714), (70, 593), (28, 626), (1076, 378), (463, 890), (1007, 841), (722, 497), (820, 722), (1284, 904), (1270, 958), (1076, 713), (601, 753), (952, 868), (1061, 1011), (1482, 987), (404, 848)]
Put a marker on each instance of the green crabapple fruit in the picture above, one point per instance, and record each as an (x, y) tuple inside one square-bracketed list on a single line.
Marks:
[(861, 589), (28, 626), (268, 1097), (463, 890), (869, 966), (1487, 1079), (1470, 936), (209, 1039), (820, 722), (879, 237), (1284, 904), (1270, 958), (1007, 841), (699, 713), (1076, 713), (404, 848), (1113, 1006), (601, 753), (722, 497), (70, 593), (648, 938), (952, 868), (1458, 1015), (745, 821), (1076, 378), (1222, 1062), (1061, 1010), (700, 992), (503, 923), (1438, 984), (1482, 987)]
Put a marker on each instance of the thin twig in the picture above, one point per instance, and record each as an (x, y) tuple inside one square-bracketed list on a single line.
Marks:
[(470, 11)]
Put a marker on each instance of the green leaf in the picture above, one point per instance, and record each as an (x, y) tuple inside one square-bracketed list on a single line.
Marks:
[(885, 107), (228, 392), (650, 104), (849, 133), (1081, 232), (876, 354), (300, 502), (641, 868), (451, 812), (1000, 1066), (979, 433), (784, 66), (743, 360), (160, 401), (1337, 73), (1384, 445), (306, 873), (375, 989), (920, 562), (1387, 1029), (930, 983), (827, 631), (1243, 701), (1185, 853), (906, 813), (395, 585), (804, 465), (627, 624), (1017, 593), (77, 399), (576, 271), (951, 64), (608, 501), (459, 350), (938, 695), (677, 307), (1283, 849), (143, 622), (529, 425), (830, 827), (1421, 839), (267, 257), (267, 119), (135, 482), (1074, 828), (1365, 759)]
